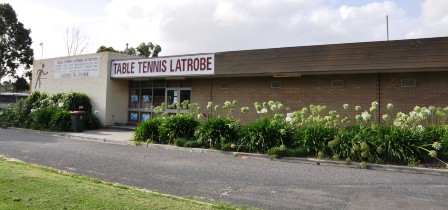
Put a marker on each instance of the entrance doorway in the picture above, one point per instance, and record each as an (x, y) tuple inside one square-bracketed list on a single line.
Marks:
[(175, 97), (144, 96)]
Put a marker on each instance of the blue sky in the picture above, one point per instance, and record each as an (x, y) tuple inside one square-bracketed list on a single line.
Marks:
[(204, 26), (412, 7)]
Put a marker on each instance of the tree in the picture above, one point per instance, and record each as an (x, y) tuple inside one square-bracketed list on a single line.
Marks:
[(6, 86), (15, 43), (21, 85), (148, 50), (130, 51), (145, 50), (75, 41), (106, 49)]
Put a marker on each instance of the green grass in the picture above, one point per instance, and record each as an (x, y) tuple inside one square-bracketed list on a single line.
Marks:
[(28, 186)]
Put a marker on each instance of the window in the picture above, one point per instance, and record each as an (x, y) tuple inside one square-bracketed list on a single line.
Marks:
[(276, 84), (146, 98), (408, 83), (134, 95), (337, 83)]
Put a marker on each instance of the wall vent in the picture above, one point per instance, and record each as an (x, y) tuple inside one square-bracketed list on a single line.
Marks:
[(224, 85), (276, 84), (337, 83), (408, 83)]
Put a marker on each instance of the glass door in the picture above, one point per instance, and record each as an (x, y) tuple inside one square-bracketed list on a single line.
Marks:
[(175, 97)]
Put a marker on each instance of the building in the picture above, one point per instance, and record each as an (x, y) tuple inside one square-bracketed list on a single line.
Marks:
[(125, 89)]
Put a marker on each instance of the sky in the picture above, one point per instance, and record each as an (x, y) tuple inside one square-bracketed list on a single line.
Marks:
[(207, 26)]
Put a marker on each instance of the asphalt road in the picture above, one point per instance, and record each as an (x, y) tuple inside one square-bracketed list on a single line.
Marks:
[(255, 182)]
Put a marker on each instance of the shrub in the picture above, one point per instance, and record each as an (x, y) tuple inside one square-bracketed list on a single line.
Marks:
[(7, 116), (148, 130), (175, 126), (60, 121), (180, 142), (313, 139), (91, 122), (77, 101), (266, 133), (277, 152), (40, 119), (399, 145), (218, 132), (193, 144), (347, 142)]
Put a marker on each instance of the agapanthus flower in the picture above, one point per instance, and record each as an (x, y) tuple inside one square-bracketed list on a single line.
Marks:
[(262, 111), (432, 153), (390, 106), (420, 128), (245, 109), (366, 116), (209, 105), (437, 145), (345, 106), (357, 108)]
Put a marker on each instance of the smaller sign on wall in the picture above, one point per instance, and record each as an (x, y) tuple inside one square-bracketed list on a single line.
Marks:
[(77, 68)]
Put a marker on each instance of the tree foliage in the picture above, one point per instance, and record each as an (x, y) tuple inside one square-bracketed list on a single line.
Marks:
[(143, 49), (148, 50), (15, 42), (106, 49), (21, 85)]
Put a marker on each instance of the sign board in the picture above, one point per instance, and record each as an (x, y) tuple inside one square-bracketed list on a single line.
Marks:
[(164, 67), (77, 68)]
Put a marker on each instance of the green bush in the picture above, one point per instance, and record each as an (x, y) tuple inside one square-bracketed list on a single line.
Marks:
[(193, 144), (266, 133), (60, 121), (277, 152), (313, 139), (7, 116), (180, 142), (347, 142), (77, 101), (41, 118), (175, 126), (91, 122), (400, 144), (218, 132), (148, 130)]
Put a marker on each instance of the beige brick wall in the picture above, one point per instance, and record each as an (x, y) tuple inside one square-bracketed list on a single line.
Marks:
[(108, 97)]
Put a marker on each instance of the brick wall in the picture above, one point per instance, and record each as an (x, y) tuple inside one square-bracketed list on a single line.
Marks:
[(297, 92)]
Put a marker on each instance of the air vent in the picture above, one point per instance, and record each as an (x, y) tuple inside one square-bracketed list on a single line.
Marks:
[(337, 83), (223, 85), (276, 84), (408, 83)]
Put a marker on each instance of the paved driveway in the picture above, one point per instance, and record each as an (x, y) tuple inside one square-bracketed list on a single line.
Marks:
[(256, 182)]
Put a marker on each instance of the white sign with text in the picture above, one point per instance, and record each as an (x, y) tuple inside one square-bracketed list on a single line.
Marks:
[(164, 67), (77, 68)]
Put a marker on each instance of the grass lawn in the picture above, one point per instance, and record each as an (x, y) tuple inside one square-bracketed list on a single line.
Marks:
[(28, 186)]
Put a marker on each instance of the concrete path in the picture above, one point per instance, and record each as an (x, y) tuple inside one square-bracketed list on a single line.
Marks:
[(248, 181), (119, 136)]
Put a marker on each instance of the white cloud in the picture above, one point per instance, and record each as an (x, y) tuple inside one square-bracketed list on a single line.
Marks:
[(433, 20), (201, 26)]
